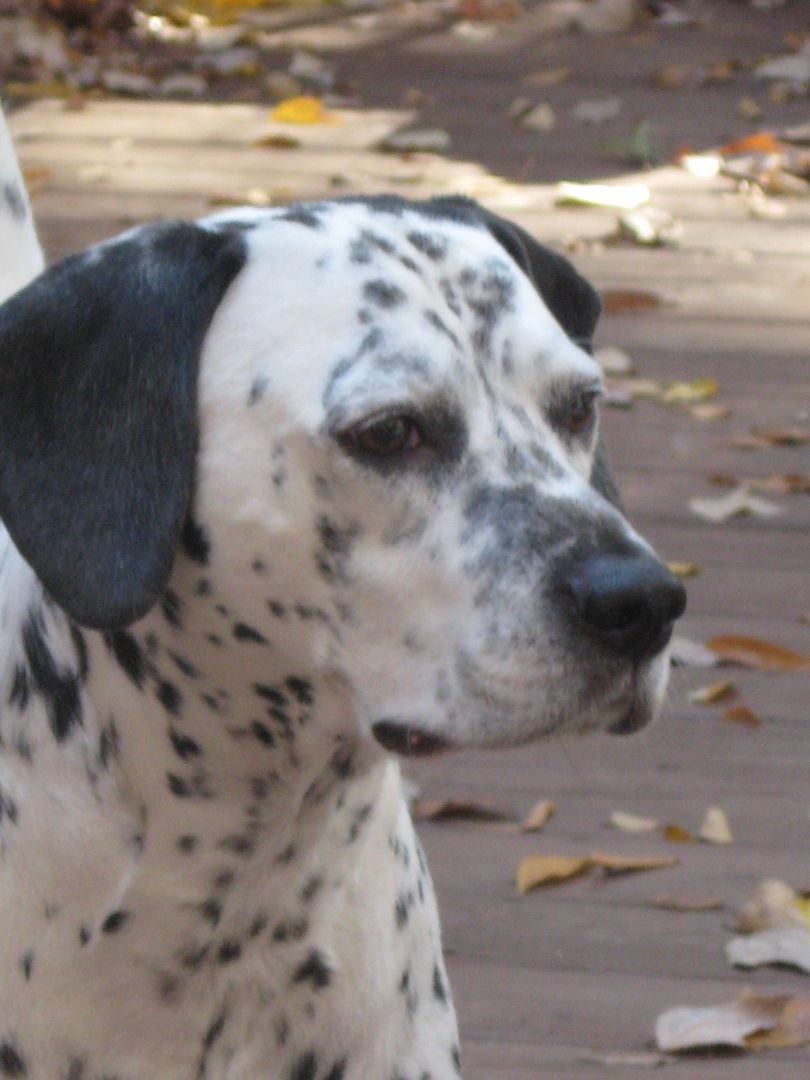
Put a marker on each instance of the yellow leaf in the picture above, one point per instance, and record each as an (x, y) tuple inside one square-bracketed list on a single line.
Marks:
[(302, 110), (742, 714), (538, 816), (681, 568), (715, 828), (688, 393), (708, 411), (537, 870)]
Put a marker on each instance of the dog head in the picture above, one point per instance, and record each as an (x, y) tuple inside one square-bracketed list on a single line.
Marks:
[(379, 420)]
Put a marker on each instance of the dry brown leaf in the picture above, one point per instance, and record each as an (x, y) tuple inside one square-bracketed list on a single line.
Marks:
[(632, 823), (715, 828), (630, 864), (454, 810), (623, 1059), (676, 834), (793, 1028), (670, 76), (783, 483), (714, 692), (666, 902), (742, 714), (686, 653), (619, 301), (537, 818), (757, 654), (760, 438), (277, 142), (537, 870), (761, 142)]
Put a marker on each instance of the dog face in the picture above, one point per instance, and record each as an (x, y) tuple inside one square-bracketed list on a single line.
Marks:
[(394, 422)]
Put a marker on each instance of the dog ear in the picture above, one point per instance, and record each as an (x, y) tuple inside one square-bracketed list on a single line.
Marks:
[(98, 429), (570, 298)]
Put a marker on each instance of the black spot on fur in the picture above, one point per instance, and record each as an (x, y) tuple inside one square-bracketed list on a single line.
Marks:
[(305, 1068), (257, 389), (301, 689), (27, 964), (439, 990), (184, 746), (8, 808), (60, 689), (194, 541), (401, 912), (229, 951), (169, 696), (12, 1062), (128, 654), (20, 690), (187, 843), (290, 930), (171, 607), (271, 694), (314, 970), (337, 1072), (432, 245), (115, 921), (243, 632), (384, 293), (300, 215), (183, 665), (14, 200), (178, 786), (311, 889), (262, 732)]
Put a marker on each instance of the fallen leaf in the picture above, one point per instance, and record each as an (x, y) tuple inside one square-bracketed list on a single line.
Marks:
[(686, 653), (793, 1028), (454, 810), (634, 388), (632, 823), (610, 196), (749, 108), (631, 864), (302, 110), (715, 828), (627, 1059), (682, 568), (788, 945), (537, 818), (667, 902), (687, 393), (676, 834), (618, 301), (783, 483), (597, 111), (774, 904), (741, 714), (539, 118), (760, 142), (649, 226), (687, 1028), (711, 694), (794, 68), (613, 361), (709, 411), (548, 77), (418, 140), (703, 165), (277, 142), (538, 870), (760, 438), (670, 76), (757, 654), (721, 508)]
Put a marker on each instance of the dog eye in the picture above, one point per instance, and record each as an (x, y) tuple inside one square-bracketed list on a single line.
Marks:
[(388, 435), (582, 412)]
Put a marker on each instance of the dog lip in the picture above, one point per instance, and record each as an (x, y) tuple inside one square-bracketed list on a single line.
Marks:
[(407, 740)]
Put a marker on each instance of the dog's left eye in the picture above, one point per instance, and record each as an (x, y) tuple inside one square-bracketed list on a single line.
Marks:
[(582, 412), (387, 435)]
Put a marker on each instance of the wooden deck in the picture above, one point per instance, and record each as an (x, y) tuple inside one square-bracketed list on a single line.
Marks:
[(545, 981)]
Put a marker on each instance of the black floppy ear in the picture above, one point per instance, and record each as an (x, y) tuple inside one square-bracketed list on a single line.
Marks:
[(98, 430), (570, 298)]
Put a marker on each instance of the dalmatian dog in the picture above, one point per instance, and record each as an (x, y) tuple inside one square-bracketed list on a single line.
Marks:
[(289, 495)]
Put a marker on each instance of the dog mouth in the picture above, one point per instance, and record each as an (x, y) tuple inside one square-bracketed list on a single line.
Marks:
[(408, 741)]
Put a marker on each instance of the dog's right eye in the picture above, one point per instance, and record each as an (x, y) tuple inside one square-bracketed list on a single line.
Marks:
[(387, 435)]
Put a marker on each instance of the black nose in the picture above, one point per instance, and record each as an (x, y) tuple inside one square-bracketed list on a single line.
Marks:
[(629, 601)]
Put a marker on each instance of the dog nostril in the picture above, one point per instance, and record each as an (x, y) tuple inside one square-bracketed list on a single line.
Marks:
[(630, 602)]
